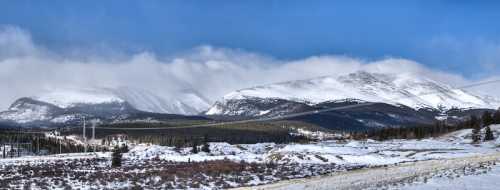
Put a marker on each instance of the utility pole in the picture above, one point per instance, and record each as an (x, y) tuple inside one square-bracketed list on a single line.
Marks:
[(93, 130), (18, 140), (84, 137), (60, 146), (38, 145), (11, 146), (94, 146)]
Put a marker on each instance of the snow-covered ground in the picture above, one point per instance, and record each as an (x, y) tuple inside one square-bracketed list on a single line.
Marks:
[(351, 153), (262, 163), (480, 180), (395, 177)]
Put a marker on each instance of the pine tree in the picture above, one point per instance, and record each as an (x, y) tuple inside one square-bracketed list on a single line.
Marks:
[(476, 136), (178, 145), (206, 146), (473, 122), (488, 134), (194, 150), (487, 118), (116, 160), (496, 117), (124, 149), (476, 129)]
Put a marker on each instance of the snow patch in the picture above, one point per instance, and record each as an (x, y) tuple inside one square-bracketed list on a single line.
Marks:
[(68, 98)]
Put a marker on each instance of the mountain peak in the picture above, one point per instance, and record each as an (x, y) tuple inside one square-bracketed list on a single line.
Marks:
[(26, 102), (69, 98), (28, 110), (414, 91), (25, 110)]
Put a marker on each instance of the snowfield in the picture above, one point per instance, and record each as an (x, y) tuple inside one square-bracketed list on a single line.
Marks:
[(370, 153), (397, 89), (390, 164), (367, 153), (68, 98), (397, 177), (485, 179), (32, 113), (187, 102)]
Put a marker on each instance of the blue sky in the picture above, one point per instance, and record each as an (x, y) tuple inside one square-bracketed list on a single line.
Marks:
[(454, 36)]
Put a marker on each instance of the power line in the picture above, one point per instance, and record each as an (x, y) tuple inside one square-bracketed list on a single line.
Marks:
[(445, 90), (480, 84)]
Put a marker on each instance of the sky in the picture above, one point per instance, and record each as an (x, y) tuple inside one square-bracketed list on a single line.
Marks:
[(246, 38)]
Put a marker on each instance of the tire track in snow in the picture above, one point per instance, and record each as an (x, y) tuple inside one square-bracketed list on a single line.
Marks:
[(373, 177)]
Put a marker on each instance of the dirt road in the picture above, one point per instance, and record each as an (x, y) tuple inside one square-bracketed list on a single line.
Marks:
[(370, 178)]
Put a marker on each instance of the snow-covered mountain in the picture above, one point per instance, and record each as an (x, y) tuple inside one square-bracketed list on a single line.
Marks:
[(35, 112), (396, 89), (25, 110), (186, 102), (66, 106), (71, 98), (31, 112)]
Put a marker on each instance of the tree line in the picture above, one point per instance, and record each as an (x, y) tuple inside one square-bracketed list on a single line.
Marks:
[(13, 143), (185, 137), (476, 123)]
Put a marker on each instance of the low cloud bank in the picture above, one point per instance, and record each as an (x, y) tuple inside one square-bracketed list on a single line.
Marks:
[(27, 69)]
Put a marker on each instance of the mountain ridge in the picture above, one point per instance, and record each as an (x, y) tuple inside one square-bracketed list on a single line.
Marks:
[(30, 112), (403, 89)]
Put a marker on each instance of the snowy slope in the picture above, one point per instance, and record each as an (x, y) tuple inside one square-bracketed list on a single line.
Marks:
[(69, 98), (35, 112), (406, 89), (187, 102), (27, 110), (61, 109), (66, 105)]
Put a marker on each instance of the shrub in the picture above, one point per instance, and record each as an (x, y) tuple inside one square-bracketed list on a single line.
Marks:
[(194, 150), (205, 147), (488, 134), (116, 160)]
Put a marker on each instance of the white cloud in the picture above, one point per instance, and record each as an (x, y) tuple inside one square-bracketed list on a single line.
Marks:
[(477, 57), (15, 42), (27, 70)]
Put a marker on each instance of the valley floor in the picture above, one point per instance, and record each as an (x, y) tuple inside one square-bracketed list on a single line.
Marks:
[(392, 164), (431, 174), (478, 180)]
